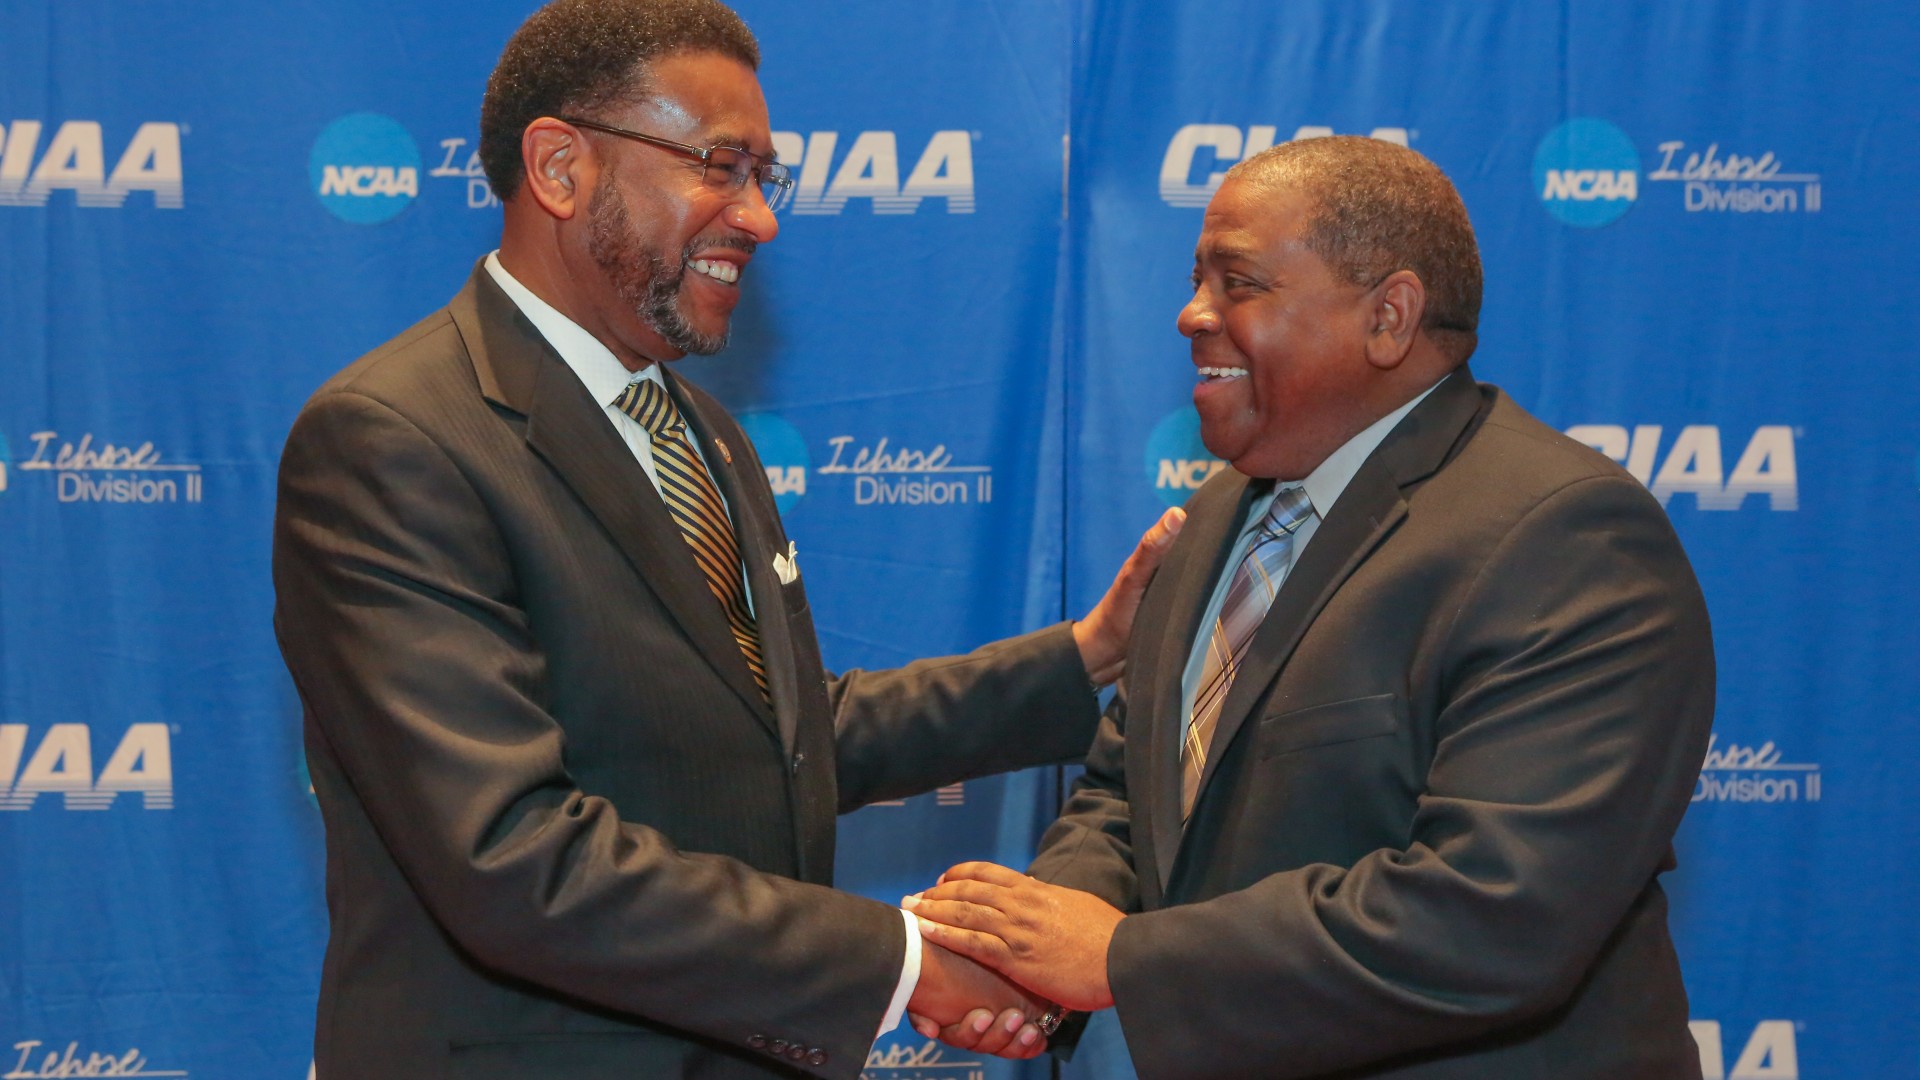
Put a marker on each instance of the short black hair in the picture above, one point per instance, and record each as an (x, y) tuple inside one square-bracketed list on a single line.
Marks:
[(575, 57), (1378, 208)]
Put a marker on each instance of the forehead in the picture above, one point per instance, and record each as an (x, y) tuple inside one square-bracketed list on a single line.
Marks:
[(704, 97), (1251, 220)]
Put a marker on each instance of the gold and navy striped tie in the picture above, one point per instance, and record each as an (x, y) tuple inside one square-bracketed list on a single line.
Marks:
[(694, 502)]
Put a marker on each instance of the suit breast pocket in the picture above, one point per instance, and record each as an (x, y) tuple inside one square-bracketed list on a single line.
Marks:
[(794, 598), (1331, 724)]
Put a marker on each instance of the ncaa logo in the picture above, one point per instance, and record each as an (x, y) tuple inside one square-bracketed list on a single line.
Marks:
[(784, 454), (365, 168), (1177, 461), (1587, 172)]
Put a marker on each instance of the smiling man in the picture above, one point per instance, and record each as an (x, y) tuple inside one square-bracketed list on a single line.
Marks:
[(1416, 706), (565, 712)]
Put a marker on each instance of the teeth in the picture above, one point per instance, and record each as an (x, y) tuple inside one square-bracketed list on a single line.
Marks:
[(717, 269), (1223, 372)]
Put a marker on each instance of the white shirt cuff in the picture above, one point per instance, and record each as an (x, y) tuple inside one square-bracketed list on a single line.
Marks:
[(909, 978)]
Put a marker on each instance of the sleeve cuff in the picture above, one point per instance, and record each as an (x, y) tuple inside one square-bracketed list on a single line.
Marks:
[(909, 978)]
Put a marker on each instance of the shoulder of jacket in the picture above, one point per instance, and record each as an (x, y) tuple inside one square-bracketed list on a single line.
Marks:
[(418, 357)]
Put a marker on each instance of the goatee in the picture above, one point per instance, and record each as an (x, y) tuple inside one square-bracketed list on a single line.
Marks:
[(645, 281)]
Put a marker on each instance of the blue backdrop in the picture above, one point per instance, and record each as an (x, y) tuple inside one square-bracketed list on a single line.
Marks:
[(959, 364)]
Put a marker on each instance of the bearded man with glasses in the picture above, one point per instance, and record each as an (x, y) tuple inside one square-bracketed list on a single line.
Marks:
[(565, 711)]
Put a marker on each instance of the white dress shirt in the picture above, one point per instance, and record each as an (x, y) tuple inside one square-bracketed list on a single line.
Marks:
[(1324, 486), (605, 378)]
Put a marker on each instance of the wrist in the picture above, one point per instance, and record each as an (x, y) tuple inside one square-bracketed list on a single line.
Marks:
[(1099, 655)]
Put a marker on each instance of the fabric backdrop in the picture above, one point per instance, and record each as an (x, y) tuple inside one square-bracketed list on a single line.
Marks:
[(959, 364)]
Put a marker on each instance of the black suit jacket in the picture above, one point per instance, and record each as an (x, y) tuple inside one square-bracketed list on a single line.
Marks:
[(1441, 788), (566, 835)]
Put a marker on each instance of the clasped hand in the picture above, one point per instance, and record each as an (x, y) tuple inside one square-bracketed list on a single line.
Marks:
[(1047, 944), (1051, 942)]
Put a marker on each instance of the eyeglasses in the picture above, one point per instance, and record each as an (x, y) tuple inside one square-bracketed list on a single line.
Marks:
[(727, 166)]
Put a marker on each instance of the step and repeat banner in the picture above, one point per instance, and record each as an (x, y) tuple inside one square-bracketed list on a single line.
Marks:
[(959, 364)]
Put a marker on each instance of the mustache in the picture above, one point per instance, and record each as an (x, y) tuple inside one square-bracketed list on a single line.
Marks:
[(743, 244)]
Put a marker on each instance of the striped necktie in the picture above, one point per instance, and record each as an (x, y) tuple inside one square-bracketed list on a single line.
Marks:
[(1255, 582), (694, 502)]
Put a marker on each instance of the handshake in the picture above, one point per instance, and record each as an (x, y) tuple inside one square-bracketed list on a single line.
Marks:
[(1005, 956)]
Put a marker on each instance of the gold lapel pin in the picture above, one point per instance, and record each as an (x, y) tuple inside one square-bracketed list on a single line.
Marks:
[(726, 455)]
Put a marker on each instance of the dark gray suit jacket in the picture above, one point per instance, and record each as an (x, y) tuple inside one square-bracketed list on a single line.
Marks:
[(1441, 789), (566, 836)]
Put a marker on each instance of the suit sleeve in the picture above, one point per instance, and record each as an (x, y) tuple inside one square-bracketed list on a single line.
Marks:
[(1090, 846), (1009, 705), (1574, 704), (397, 615)]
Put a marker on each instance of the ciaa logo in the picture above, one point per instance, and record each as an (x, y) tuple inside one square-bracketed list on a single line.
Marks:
[(1177, 461), (365, 168), (62, 764), (75, 160), (1694, 463), (1229, 144), (870, 169), (783, 453), (1770, 1053), (951, 795)]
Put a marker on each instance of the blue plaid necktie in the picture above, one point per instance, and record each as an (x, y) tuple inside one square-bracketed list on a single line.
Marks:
[(694, 502), (1255, 582)]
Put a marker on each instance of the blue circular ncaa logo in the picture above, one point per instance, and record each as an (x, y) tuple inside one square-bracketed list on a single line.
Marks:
[(1587, 172), (784, 454), (1177, 461), (365, 168)]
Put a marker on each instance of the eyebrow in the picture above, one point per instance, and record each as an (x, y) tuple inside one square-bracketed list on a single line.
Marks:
[(1228, 251), (733, 139)]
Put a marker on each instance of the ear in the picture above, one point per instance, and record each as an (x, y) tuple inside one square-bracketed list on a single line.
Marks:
[(558, 166), (1399, 303)]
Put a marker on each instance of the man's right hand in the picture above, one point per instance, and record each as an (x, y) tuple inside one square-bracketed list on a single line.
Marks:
[(1103, 635), (966, 1005)]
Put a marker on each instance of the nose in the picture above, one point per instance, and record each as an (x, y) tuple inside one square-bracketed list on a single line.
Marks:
[(750, 214), (1198, 317)]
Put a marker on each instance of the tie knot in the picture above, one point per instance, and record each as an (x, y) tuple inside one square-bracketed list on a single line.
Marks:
[(1291, 507), (649, 403)]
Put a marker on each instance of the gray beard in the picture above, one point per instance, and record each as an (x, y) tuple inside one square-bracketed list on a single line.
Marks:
[(645, 281)]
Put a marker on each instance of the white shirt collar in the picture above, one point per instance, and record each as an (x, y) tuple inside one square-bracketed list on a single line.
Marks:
[(1326, 482), (602, 372)]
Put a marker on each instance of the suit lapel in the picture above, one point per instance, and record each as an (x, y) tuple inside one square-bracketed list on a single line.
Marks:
[(1365, 514), (1208, 540), (756, 524), (519, 370)]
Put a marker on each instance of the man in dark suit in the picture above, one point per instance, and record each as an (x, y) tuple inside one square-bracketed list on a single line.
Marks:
[(1399, 762), (566, 716)]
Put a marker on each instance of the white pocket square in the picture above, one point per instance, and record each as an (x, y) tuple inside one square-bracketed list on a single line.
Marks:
[(787, 564)]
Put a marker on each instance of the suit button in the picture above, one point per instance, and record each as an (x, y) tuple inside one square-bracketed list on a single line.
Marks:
[(818, 1057), (758, 1042), (777, 1047), (798, 760), (797, 1052)]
